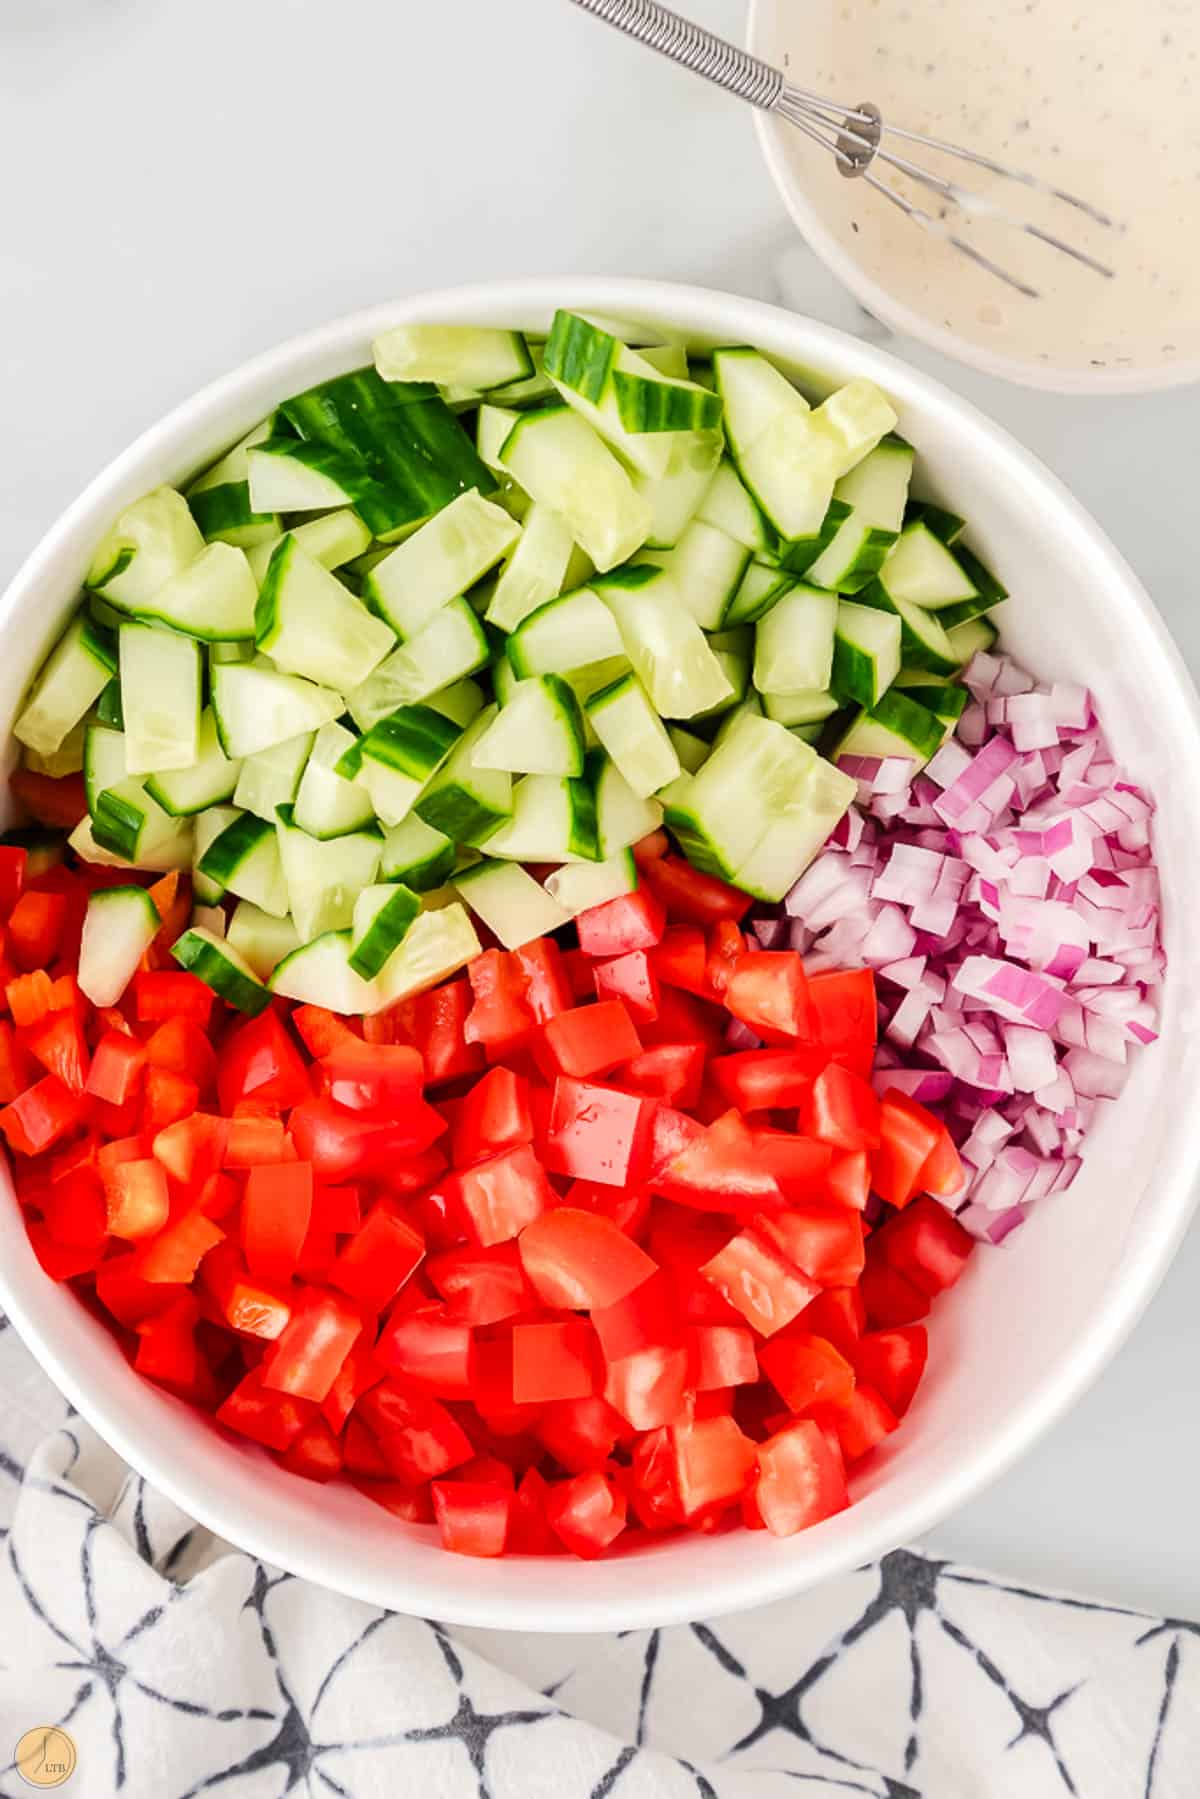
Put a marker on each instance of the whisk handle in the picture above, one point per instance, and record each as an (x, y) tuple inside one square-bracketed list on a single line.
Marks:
[(693, 48)]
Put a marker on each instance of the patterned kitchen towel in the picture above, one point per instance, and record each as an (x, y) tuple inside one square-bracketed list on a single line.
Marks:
[(178, 1666)]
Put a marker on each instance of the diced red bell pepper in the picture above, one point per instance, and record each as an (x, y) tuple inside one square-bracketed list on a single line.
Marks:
[(580, 1434), (260, 1062), (374, 1265), (13, 864), (760, 1283), (806, 1370), (841, 1109), (653, 1492), (633, 921), (860, 1422), (824, 1241), (599, 1134), (576, 1260), (632, 980), (337, 1209), (839, 1316), (691, 896), (122, 1291), (116, 1068), (495, 1116), (17, 1067), (167, 1350), (383, 1079), (681, 960), (29, 997), (75, 1211), (554, 1361), (892, 1362), (591, 1040), (908, 1136), (587, 1513), (768, 990), (482, 1286), (547, 983), (499, 1020), (266, 1416), (724, 1356), (276, 1211), (845, 1016), (798, 1164), (649, 848), (942, 1173), (35, 926), (761, 1080), (890, 1299), (172, 993), (362, 1456), (59, 1045), (314, 1453), (192, 1148), (714, 1463), (176, 1252), (431, 1349), (719, 1172), (320, 1030), (61, 1261), (848, 1180), (41, 1116), (166, 1097), (673, 1133), (419, 1438), (357, 1374), (472, 1516), (58, 801), (504, 1194), (254, 1307), (927, 1245), (684, 1018), (672, 1072), (181, 1046), (650, 1386), (307, 1356), (342, 1145), (800, 1479)]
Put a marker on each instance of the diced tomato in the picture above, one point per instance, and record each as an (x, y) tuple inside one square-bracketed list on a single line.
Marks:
[(495, 1116), (627, 1207), (942, 1173), (251, 1306), (576, 1260), (681, 960), (431, 1349), (260, 1062), (634, 921), (806, 1370), (759, 1282), (547, 984), (892, 1363), (591, 1040), (384, 1079), (760, 1080), (798, 1165), (725, 949), (587, 1513), (35, 926), (482, 1286), (841, 1109), (499, 1019), (172, 993), (720, 1172), (824, 1241), (927, 1245), (342, 1145), (472, 1516), (166, 1097), (673, 1132), (693, 897), (839, 1316), (504, 1194), (684, 1018), (554, 1361), (320, 1030), (908, 1136), (577, 969), (41, 1116), (860, 1422), (276, 1211), (307, 1356), (724, 1356), (13, 863), (176, 1252), (845, 1016), (800, 1479), (59, 802), (419, 1438), (435, 1024), (116, 1068), (848, 1180), (632, 980), (768, 990), (673, 1072), (598, 1134), (374, 1264), (58, 1043), (890, 1299), (714, 1463), (653, 1492), (271, 1418), (580, 1434)]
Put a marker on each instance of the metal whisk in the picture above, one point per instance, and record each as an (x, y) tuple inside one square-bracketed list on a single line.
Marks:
[(854, 135)]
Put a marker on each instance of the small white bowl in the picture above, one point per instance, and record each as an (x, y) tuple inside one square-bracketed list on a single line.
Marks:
[(818, 198), (1027, 1329)]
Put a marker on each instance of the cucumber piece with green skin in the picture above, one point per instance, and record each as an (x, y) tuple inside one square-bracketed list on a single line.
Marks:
[(211, 779), (691, 751), (241, 651), (319, 974), (533, 390), (866, 653), (160, 698), (323, 880), (553, 820), (564, 634), (582, 360), (924, 641), (967, 640), (948, 527), (946, 702), (622, 817), (578, 886), (792, 840), (288, 475), (326, 804), (257, 708), (104, 617), (310, 625), (664, 643), (707, 568), (535, 572), (272, 777), (212, 598), (988, 591), (437, 945), (462, 800), (417, 855), (747, 783), (67, 759), (208, 826), (219, 499), (760, 588), (793, 646), (920, 569), (215, 962), (151, 541), (492, 426), (799, 555), (119, 926), (592, 676), (129, 831), (731, 509), (461, 702), (109, 710), (398, 756), (895, 726), (538, 730), (734, 650), (646, 405), (439, 562), (261, 940), (675, 497), (333, 540), (668, 359), (210, 918), (412, 451), (562, 463), (876, 492), (244, 860), (471, 356), (70, 681), (510, 902), (752, 705), (448, 647), (810, 707), (382, 916), (634, 735)]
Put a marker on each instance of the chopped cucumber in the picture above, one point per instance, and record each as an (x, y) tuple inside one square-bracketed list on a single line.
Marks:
[(271, 777), (582, 360), (244, 860), (707, 568), (946, 526), (310, 625), (160, 699), (417, 855), (67, 759), (876, 492), (920, 569), (118, 928), (761, 587), (208, 827), (634, 735), (538, 730), (453, 356), (792, 840), (286, 475), (492, 426), (70, 681), (561, 463), (895, 726), (323, 880), (333, 540), (968, 639), (809, 707), (449, 646), (464, 801), (793, 644), (461, 702), (622, 817), (152, 540), (691, 751), (319, 974), (109, 710), (674, 498), (326, 804), (564, 634), (536, 570), (734, 650), (988, 591), (439, 562), (220, 498), (437, 945), (664, 643), (729, 507), (510, 902), (382, 916), (553, 820), (924, 642), (261, 940), (257, 708), (215, 962), (746, 784), (398, 756), (578, 886), (211, 598), (211, 779), (866, 653)]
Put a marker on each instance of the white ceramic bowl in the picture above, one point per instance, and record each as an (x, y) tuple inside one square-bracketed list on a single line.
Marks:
[(818, 200), (1026, 1330)]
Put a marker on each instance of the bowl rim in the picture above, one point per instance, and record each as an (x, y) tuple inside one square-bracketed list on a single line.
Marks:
[(771, 129), (591, 1601)]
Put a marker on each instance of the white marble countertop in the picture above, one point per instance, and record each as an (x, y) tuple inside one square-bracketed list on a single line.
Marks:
[(185, 186)]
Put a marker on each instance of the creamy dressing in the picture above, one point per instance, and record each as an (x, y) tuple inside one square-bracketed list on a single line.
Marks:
[(1103, 100)]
